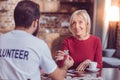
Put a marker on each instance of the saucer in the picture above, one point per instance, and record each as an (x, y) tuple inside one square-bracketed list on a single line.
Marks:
[(72, 71), (93, 70)]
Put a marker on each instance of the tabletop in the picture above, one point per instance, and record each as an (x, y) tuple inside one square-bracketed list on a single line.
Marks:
[(103, 74)]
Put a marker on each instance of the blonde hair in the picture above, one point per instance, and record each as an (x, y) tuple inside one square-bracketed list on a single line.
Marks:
[(86, 17)]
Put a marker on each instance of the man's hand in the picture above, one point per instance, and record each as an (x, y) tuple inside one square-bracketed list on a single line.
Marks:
[(62, 70), (60, 55), (64, 59), (69, 61)]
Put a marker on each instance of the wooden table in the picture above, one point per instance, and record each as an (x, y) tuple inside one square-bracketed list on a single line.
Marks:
[(104, 74)]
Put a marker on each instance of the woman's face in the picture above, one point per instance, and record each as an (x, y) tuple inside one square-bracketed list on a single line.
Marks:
[(78, 25)]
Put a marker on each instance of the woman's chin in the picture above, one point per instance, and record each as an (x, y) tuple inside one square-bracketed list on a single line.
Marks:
[(78, 34)]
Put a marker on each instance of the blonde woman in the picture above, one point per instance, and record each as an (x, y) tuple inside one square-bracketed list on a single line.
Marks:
[(83, 47)]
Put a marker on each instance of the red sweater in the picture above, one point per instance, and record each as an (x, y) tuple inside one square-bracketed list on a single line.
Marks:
[(81, 50)]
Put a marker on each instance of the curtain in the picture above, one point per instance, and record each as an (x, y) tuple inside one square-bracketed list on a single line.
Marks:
[(112, 35)]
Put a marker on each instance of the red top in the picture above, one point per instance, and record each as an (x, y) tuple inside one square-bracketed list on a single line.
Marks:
[(81, 50)]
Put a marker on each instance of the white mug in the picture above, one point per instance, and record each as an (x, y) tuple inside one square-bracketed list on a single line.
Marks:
[(93, 65)]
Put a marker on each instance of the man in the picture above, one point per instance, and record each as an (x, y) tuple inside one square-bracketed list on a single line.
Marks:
[(22, 54)]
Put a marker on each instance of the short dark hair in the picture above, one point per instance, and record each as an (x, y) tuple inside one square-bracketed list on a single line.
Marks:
[(25, 13)]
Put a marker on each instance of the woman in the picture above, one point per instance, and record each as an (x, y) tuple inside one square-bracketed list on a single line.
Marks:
[(83, 47)]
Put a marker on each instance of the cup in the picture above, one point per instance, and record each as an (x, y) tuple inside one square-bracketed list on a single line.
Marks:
[(93, 65)]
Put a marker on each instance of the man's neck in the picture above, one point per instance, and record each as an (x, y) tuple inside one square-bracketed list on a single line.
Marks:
[(24, 29)]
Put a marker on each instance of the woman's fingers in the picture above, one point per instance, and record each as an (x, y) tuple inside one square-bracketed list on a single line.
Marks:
[(61, 52), (57, 58), (80, 68), (83, 65), (59, 55)]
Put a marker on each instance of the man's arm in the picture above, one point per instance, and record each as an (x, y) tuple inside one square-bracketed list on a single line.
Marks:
[(60, 73)]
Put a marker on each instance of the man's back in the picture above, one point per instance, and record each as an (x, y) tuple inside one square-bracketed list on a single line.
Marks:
[(21, 55)]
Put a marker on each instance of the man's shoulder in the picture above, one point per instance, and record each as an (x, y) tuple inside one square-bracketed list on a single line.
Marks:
[(5, 34), (37, 40)]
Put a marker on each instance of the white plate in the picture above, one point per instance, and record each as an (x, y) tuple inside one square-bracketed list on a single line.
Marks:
[(91, 70), (72, 71)]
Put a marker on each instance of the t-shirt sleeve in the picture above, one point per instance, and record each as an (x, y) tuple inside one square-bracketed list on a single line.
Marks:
[(47, 62)]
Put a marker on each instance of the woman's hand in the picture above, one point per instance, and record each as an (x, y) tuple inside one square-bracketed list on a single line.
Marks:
[(60, 55), (63, 59), (83, 65)]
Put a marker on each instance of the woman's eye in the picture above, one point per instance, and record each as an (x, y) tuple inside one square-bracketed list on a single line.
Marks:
[(73, 24)]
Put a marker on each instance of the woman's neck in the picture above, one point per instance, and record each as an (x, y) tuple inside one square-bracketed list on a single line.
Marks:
[(83, 37)]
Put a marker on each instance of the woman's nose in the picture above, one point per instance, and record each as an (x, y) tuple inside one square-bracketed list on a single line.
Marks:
[(77, 26)]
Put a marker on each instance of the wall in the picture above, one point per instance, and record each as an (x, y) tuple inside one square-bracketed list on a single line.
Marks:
[(6, 18), (7, 21), (99, 18)]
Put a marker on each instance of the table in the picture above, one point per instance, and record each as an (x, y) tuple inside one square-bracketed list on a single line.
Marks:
[(110, 73), (103, 74)]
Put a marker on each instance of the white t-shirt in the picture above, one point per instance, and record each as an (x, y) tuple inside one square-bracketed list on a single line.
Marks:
[(22, 55)]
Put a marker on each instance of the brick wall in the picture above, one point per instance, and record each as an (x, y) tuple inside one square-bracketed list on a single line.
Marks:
[(6, 18), (7, 21), (50, 24)]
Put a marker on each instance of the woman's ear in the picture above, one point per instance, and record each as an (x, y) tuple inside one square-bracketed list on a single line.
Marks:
[(87, 23)]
